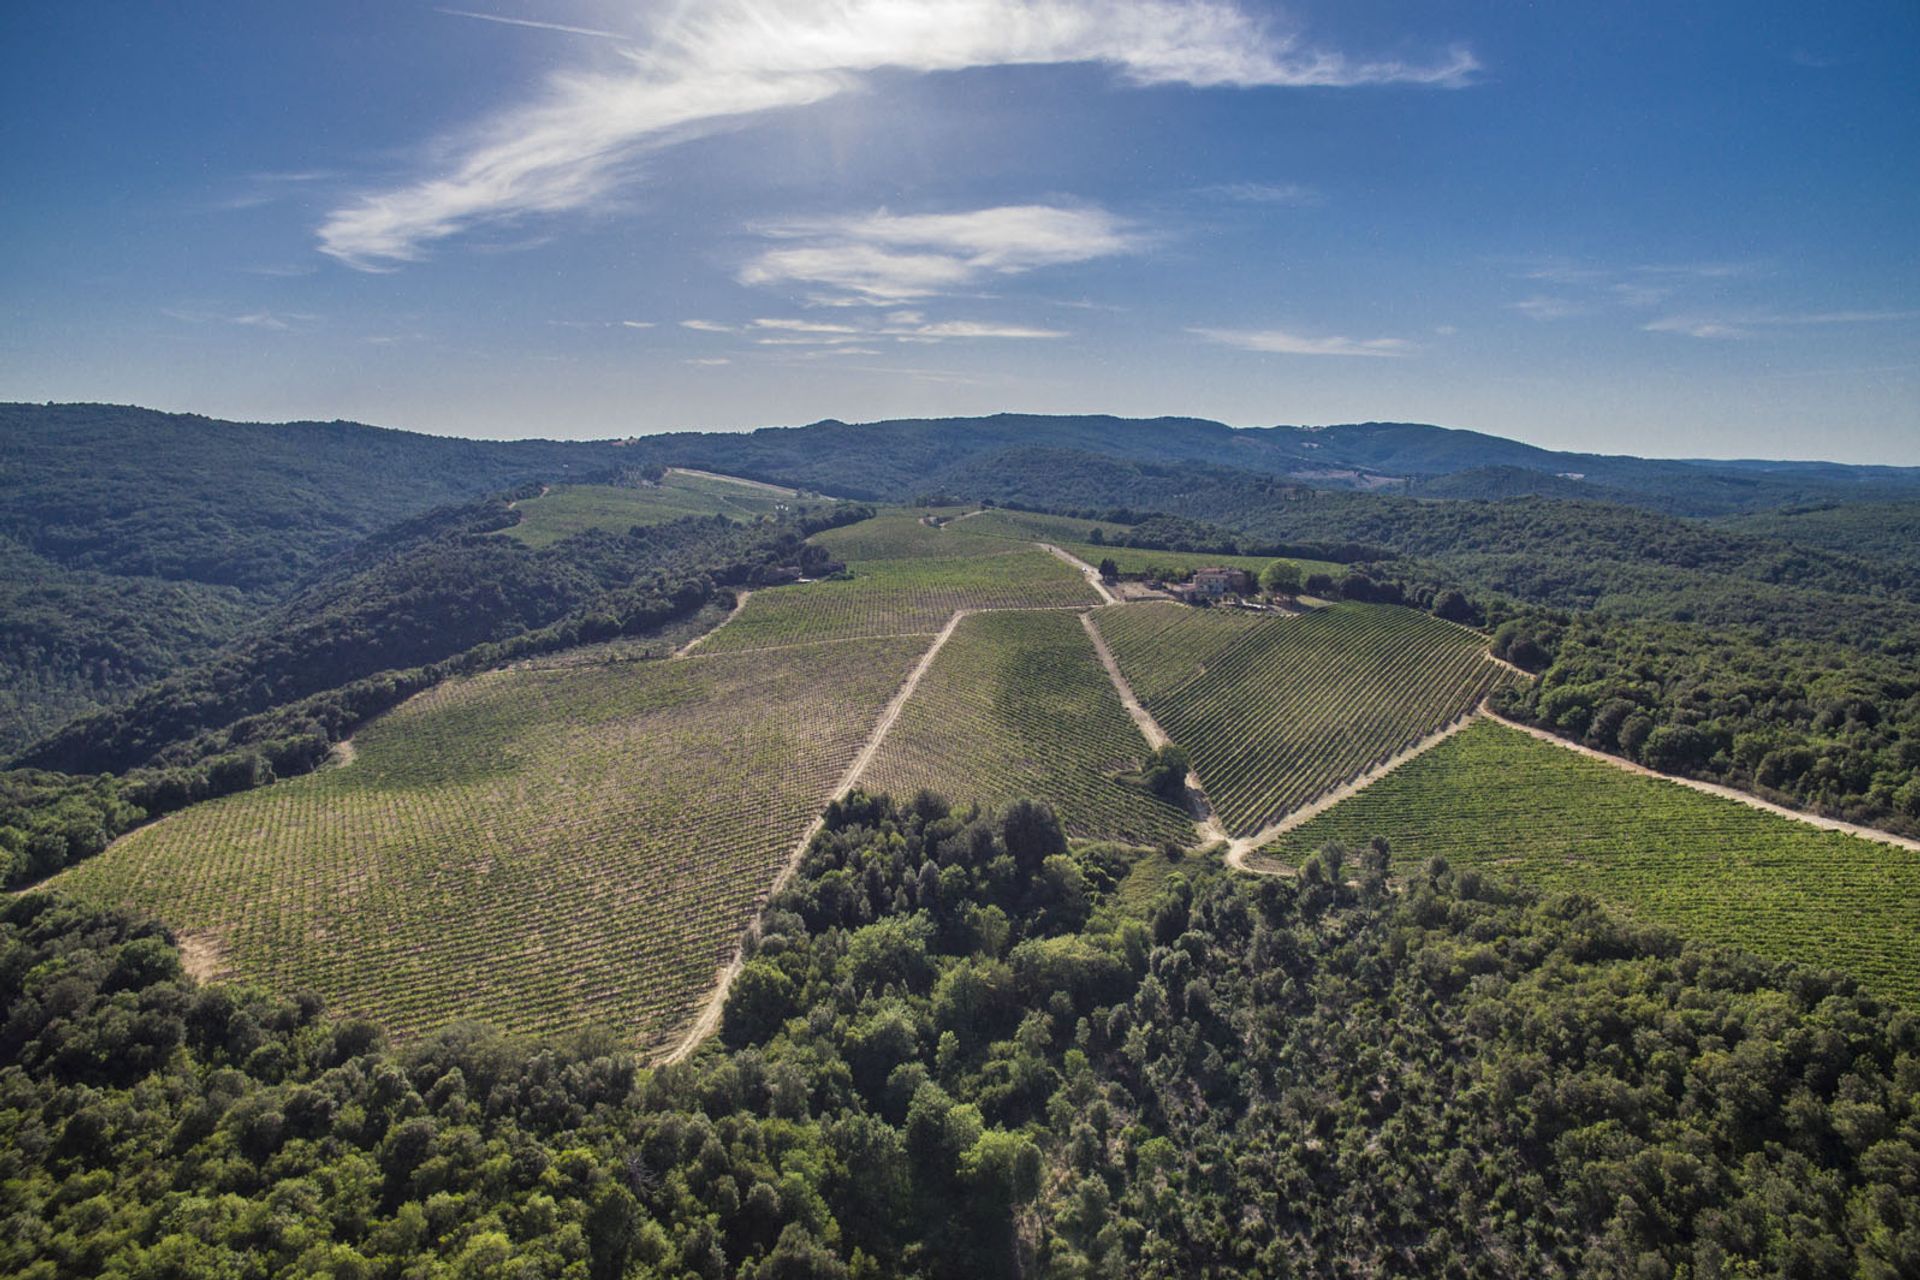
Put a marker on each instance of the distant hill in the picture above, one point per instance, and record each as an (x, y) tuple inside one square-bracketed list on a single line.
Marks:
[(901, 458)]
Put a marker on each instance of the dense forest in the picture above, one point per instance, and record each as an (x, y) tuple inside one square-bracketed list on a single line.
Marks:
[(961, 1048), (1805, 724), (134, 543)]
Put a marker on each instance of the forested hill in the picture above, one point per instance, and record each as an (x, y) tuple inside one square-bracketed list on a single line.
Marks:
[(133, 543), (136, 493), (899, 459)]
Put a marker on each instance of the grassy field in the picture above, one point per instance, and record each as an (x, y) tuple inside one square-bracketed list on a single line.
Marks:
[(1071, 535), (1279, 711), (574, 508), (1017, 705), (539, 848), (1494, 798)]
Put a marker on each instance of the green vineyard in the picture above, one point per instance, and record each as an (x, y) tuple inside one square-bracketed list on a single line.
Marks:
[(539, 848), (575, 508), (901, 535), (1071, 536), (1495, 798), (907, 596), (1018, 706), (1279, 711), (1169, 644)]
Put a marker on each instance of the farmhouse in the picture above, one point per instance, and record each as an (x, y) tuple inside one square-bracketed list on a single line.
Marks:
[(1213, 583)]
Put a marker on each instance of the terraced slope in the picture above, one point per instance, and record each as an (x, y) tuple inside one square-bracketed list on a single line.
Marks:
[(1017, 705), (1279, 711), (1495, 798), (540, 849)]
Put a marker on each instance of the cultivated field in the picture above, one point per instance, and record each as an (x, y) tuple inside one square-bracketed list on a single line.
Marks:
[(1072, 535), (538, 848), (1277, 710), (574, 508), (899, 535), (901, 597), (1494, 798), (1017, 705)]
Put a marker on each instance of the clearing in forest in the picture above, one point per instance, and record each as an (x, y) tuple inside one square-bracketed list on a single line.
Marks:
[(1276, 711), (1495, 798), (1018, 706), (537, 848), (568, 509)]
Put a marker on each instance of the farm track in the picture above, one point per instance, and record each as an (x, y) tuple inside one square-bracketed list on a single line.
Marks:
[(1091, 574), (707, 1021), (1713, 788), (739, 603), (1238, 850)]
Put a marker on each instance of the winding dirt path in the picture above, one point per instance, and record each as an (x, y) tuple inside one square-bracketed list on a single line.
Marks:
[(1091, 574), (739, 603), (1712, 788), (707, 1021)]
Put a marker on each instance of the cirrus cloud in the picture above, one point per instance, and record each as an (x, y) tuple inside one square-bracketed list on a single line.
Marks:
[(1283, 343), (703, 68), (884, 258)]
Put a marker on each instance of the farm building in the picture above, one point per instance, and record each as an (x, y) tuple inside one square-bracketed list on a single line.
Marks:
[(1211, 584)]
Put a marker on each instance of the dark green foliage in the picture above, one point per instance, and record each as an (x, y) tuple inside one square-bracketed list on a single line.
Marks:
[(1165, 773), (1814, 726), (1265, 1078), (133, 543)]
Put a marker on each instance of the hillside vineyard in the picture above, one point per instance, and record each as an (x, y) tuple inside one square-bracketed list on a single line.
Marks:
[(633, 870)]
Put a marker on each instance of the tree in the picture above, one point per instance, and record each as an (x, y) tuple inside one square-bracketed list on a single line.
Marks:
[(760, 1001), (1165, 773), (1109, 570), (1281, 578)]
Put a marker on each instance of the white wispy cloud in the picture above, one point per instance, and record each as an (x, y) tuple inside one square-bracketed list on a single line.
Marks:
[(1546, 307), (636, 324), (1744, 324), (535, 24), (703, 67), (884, 258), (1281, 342), (276, 321), (972, 329), (1294, 195), (706, 326)]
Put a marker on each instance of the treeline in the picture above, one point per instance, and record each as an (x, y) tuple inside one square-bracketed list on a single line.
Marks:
[(442, 600), (1810, 726), (1543, 551), (955, 1052)]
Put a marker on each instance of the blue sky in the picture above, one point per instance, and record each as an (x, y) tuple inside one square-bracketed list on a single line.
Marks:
[(1669, 230)]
